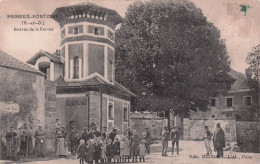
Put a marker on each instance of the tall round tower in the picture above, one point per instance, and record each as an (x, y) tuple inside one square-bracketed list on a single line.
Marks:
[(87, 41)]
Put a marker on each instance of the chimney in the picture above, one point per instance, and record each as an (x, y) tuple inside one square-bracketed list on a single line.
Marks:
[(57, 53)]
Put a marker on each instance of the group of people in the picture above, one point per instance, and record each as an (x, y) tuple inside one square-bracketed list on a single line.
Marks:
[(170, 135), (103, 146), (218, 140), (21, 143)]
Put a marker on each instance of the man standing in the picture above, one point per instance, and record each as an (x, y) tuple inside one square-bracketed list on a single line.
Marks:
[(26, 141), (11, 144), (165, 138), (73, 140), (84, 134), (175, 137), (147, 137), (112, 134), (104, 133), (219, 141), (207, 138)]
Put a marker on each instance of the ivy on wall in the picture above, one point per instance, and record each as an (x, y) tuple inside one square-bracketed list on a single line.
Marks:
[(17, 87)]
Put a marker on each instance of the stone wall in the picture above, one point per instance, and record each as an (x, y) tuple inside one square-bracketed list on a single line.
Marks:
[(25, 89), (194, 129), (140, 121), (248, 136), (50, 114)]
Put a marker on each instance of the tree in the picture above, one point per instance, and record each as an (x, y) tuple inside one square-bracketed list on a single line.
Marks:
[(253, 71), (170, 56)]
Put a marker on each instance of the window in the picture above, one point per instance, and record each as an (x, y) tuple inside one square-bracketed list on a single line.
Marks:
[(96, 31), (75, 30), (110, 35), (110, 111), (76, 68), (247, 100), (125, 113), (229, 102), (213, 116), (215, 102), (111, 71), (45, 68)]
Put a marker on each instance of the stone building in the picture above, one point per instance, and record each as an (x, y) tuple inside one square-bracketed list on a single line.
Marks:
[(22, 94), (82, 72), (236, 111)]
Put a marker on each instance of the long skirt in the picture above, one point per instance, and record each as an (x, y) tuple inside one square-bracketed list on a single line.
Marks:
[(134, 149), (11, 150), (40, 147), (62, 147)]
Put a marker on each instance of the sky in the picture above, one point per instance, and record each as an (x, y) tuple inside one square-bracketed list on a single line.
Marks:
[(240, 30)]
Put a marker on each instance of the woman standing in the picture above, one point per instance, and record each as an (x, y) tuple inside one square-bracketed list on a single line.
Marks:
[(11, 144), (134, 145), (40, 144), (62, 143)]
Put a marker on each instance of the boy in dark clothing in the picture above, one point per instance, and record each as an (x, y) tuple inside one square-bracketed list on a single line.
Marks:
[(97, 151), (116, 150), (175, 139), (82, 149), (109, 151)]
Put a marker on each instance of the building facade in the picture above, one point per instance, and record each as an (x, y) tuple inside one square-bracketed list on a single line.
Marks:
[(83, 70), (22, 95)]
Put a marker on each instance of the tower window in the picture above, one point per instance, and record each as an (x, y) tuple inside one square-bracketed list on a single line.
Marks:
[(75, 30), (76, 68), (96, 31)]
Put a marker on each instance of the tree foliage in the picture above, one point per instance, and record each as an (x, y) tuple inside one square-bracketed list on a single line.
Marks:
[(170, 56), (253, 70)]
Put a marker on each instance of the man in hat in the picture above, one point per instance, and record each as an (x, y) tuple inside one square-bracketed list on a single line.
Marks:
[(73, 140), (104, 133), (147, 137), (165, 138), (219, 141), (84, 134), (207, 138), (112, 134), (93, 133), (129, 133), (175, 136)]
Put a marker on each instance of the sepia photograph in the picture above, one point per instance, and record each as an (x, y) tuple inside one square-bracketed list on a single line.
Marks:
[(130, 81)]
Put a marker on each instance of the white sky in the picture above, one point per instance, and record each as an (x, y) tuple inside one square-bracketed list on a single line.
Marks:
[(240, 32)]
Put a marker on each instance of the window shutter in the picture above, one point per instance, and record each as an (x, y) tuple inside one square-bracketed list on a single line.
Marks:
[(90, 29)]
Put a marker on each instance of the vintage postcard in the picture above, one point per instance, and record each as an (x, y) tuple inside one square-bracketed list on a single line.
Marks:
[(130, 81)]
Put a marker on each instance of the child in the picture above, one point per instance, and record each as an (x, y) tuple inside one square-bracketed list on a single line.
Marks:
[(89, 151), (116, 150), (97, 150), (103, 152), (81, 151), (142, 150), (122, 149), (109, 150), (78, 138), (127, 148)]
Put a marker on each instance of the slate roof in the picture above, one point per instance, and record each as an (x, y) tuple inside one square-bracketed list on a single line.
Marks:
[(95, 81), (87, 7), (7, 60), (53, 57)]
